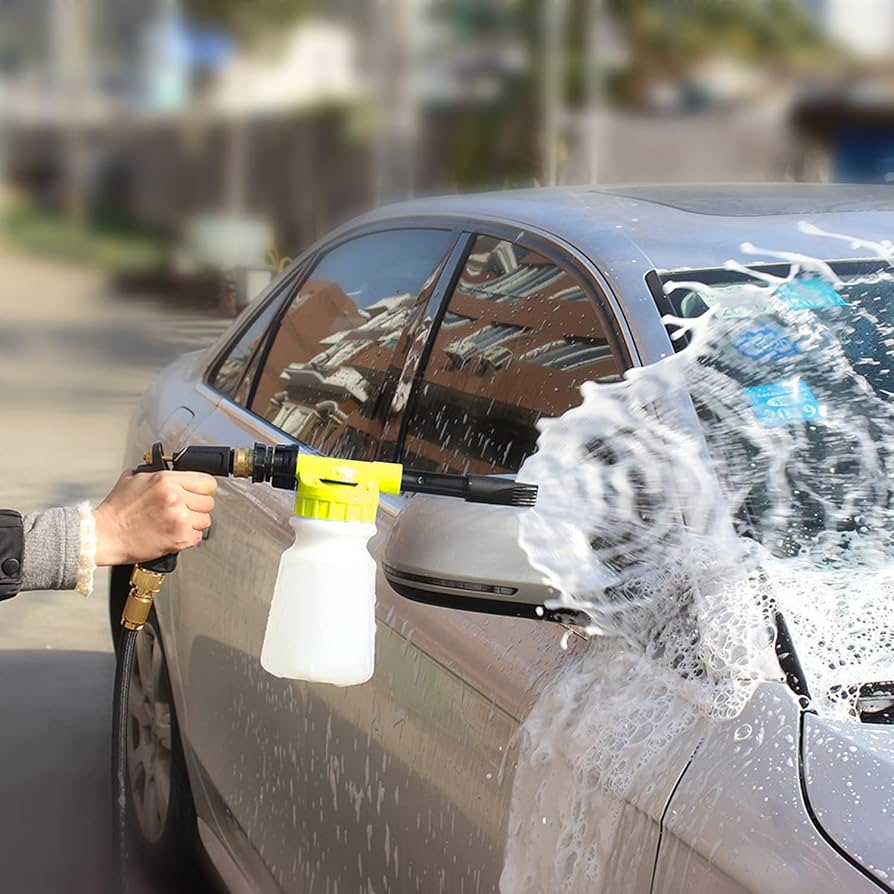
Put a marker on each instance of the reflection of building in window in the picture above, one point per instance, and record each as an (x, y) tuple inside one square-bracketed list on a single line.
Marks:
[(231, 370), (519, 338), (334, 356), (464, 349), (389, 341), (454, 319), (569, 353), (524, 282), (389, 314), (234, 371), (311, 425), (328, 399), (572, 293), (339, 385), (321, 310), (499, 259), (335, 360)]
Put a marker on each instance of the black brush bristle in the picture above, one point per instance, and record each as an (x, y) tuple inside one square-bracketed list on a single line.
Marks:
[(499, 491), (524, 494)]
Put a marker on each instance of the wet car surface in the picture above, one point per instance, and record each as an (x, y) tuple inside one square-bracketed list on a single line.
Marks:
[(483, 755)]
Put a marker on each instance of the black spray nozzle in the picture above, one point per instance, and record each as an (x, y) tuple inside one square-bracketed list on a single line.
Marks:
[(278, 465), (472, 488)]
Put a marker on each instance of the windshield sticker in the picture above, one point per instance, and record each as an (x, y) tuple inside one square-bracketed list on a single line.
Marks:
[(765, 343), (740, 301), (784, 403), (809, 294)]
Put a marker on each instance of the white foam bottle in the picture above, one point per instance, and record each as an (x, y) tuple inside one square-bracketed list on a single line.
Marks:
[(322, 621)]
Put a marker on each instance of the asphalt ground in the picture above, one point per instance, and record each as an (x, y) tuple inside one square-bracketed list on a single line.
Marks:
[(74, 357)]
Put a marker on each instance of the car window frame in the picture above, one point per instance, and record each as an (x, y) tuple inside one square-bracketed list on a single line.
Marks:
[(550, 247), (278, 292), (297, 275)]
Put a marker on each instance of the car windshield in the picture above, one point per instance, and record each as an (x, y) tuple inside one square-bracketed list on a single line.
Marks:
[(796, 350), (692, 534)]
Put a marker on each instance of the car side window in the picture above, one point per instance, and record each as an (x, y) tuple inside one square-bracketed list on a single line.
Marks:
[(330, 371), (233, 376), (519, 336)]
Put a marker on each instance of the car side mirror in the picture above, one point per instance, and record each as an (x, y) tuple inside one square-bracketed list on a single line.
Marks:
[(467, 556)]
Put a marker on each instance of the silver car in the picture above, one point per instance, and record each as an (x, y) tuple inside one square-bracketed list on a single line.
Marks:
[(436, 333)]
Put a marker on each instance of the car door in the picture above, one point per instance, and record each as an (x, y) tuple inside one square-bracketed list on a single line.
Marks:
[(322, 373), (418, 780), (468, 802), (422, 779)]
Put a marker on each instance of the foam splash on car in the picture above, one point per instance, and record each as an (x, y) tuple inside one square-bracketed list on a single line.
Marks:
[(749, 474), (597, 754)]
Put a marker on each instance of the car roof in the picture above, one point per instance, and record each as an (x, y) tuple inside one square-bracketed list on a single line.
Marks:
[(673, 227)]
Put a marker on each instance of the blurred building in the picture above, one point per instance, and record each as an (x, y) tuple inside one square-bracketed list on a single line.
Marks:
[(845, 124), (314, 62), (864, 27), (302, 122)]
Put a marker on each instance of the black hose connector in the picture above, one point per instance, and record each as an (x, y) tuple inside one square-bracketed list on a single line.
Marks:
[(283, 467)]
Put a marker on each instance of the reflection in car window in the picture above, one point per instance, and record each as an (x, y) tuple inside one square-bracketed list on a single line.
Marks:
[(331, 370), (231, 377), (519, 337)]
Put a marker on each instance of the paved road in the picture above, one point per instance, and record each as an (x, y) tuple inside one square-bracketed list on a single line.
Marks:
[(73, 359)]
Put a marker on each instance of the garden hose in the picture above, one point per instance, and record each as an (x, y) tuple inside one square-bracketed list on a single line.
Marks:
[(145, 583)]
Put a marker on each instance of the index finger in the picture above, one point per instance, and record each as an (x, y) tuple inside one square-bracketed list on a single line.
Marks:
[(197, 483)]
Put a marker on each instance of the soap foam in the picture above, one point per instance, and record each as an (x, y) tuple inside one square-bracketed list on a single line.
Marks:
[(641, 516), (680, 510)]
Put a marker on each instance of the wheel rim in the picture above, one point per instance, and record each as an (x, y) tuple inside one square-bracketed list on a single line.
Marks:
[(149, 736)]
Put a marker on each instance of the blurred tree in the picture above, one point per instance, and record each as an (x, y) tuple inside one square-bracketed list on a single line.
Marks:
[(667, 38), (498, 142), (665, 41)]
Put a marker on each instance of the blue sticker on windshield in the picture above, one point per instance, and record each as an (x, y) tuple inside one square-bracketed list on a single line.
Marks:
[(783, 404), (809, 294), (765, 343)]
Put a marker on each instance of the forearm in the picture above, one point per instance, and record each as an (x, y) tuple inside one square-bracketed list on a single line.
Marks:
[(143, 517), (57, 553), (51, 550)]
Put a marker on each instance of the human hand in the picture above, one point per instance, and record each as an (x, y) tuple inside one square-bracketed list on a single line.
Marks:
[(150, 514)]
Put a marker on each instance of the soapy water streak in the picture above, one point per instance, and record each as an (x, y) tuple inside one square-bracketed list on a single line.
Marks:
[(748, 474)]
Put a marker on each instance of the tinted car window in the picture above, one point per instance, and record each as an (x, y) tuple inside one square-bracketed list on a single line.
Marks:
[(230, 376), (518, 338), (330, 370)]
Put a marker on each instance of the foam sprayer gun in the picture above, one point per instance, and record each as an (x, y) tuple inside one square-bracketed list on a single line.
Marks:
[(326, 580), (322, 624)]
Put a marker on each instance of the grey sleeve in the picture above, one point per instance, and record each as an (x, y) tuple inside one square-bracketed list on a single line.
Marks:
[(52, 549)]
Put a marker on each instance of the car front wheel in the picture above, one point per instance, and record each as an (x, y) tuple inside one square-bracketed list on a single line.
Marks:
[(161, 816)]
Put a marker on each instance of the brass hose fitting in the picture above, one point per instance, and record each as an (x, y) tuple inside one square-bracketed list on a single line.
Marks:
[(243, 459), (144, 587)]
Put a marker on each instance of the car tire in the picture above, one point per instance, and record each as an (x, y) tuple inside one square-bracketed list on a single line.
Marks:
[(161, 819)]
